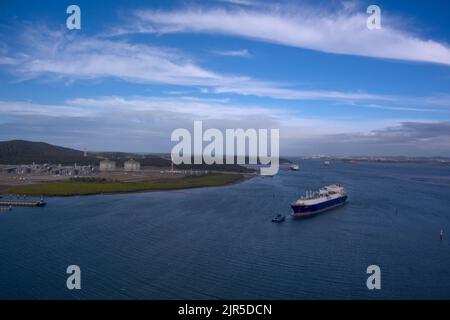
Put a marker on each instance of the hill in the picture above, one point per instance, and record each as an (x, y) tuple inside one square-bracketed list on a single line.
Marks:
[(26, 152)]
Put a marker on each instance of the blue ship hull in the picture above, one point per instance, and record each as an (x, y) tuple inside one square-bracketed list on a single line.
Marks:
[(302, 210)]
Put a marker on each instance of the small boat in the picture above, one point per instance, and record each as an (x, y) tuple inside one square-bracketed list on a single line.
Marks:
[(278, 218), (294, 167), (327, 163)]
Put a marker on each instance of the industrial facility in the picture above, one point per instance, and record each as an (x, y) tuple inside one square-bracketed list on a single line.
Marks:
[(107, 165), (131, 165)]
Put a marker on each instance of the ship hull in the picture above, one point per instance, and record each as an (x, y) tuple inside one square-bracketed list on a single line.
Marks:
[(309, 210)]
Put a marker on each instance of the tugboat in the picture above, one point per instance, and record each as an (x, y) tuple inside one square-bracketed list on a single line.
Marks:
[(294, 167), (41, 203), (278, 218)]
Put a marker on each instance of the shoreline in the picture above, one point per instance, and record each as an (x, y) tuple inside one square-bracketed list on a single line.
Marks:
[(196, 183)]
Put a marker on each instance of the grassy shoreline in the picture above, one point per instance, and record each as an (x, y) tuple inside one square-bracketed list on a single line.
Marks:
[(76, 188)]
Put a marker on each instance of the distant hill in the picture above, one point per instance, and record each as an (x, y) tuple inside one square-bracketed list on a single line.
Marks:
[(25, 152)]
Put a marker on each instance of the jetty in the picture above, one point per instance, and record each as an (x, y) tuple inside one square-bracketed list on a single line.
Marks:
[(19, 203)]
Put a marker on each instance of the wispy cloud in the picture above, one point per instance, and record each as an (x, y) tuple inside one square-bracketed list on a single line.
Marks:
[(244, 53), (240, 2), (57, 55), (145, 124), (264, 89), (341, 31), (128, 124), (25, 108), (406, 109), (8, 61), (170, 111)]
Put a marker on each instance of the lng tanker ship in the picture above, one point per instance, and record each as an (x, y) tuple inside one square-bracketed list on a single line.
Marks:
[(326, 198)]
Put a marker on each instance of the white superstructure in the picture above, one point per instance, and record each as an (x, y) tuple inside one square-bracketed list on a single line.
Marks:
[(314, 202)]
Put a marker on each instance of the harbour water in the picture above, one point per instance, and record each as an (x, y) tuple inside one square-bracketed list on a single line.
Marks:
[(220, 243)]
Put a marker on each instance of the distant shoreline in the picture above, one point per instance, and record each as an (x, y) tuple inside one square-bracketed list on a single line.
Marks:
[(71, 188)]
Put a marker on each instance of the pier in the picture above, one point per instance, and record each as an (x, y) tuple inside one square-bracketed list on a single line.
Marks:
[(18, 203)]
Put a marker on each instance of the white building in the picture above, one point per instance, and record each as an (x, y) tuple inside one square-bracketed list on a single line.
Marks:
[(131, 165), (107, 165)]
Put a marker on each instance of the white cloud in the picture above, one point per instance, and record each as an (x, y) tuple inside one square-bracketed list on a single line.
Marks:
[(188, 109), (184, 107), (392, 108), (8, 61), (262, 89), (240, 2), (244, 53), (57, 54), (60, 56), (176, 109), (21, 108), (341, 31), (145, 124)]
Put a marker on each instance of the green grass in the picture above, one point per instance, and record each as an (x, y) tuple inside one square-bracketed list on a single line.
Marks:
[(71, 188)]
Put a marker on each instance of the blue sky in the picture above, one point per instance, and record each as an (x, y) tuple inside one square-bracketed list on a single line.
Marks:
[(139, 69)]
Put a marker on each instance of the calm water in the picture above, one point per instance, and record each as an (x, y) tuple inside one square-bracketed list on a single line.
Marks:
[(220, 243)]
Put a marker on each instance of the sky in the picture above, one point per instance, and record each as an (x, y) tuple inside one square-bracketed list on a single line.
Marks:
[(137, 70)]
